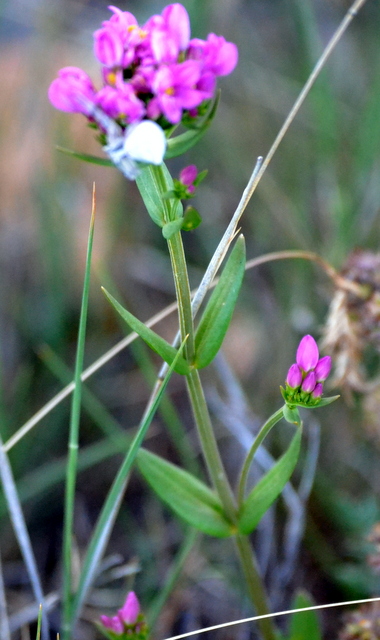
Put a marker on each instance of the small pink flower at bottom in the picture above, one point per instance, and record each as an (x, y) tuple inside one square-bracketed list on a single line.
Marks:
[(187, 176), (113, 624)]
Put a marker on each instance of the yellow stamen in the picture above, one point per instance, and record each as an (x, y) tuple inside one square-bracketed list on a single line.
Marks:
[(111, 78), (170, 91)]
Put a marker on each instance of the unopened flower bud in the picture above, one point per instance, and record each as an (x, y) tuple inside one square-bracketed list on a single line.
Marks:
[(114, 624), (307, 353), (323, 368), (317, 391), (309, 382), (294, 377), (130, 610)]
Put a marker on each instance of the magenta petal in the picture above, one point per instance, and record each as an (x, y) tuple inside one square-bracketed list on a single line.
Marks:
[(131, 609), (108, 46), (309, 382), (178, 24), (188, 175), (294, 377), (307, 353), (114, 624), (317, 391), (171, 108), (323, 368)]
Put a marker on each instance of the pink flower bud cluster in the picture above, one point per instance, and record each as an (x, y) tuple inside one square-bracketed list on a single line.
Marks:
[(304, 382), (128, 622), (155, 71)]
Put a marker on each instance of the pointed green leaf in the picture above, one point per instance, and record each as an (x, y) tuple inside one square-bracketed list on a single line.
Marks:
[(304, 624), (182, 143), (189, 498), (155, 342), (269, 487), (217, 316), (104, 162), (154, 183)]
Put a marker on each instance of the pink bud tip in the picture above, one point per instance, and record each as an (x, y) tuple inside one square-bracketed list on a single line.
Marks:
[(188, 175), (294, 377), (309, 382), (131, 609), (323, 368), (317, 391), (307, 353)]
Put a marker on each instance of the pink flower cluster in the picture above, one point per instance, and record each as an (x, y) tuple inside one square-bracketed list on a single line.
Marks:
[(305, 378), (155, 71), (126, 619)]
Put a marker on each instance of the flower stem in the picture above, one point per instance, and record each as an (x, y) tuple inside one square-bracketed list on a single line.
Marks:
[(255, 585), (276, 417)]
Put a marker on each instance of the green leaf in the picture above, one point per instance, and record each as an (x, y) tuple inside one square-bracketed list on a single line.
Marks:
[(182, 143), (155, 342), (104, 162), (187, 496), (170, 228), (304, 625), (110, 508), (191, 219), (291, 414), (154, 183), (269, 487), (217, 316)]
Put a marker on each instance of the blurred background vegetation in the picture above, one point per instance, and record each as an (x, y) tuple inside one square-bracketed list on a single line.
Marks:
[(320, 193)]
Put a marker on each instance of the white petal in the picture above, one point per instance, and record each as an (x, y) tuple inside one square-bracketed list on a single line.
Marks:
[(145, 142)]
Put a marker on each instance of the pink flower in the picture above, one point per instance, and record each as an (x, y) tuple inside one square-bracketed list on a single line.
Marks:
[(323, 368), (72, 91), (309, 382), (130, 610), (294, 377), (188, 175), (114, 624), (121, 102), (108, 46), (177, 24), (216, 54), (307, 353), (317, 391), (174, 87)]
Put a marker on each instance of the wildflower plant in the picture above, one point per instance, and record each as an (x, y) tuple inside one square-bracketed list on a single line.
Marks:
[(154, 78)]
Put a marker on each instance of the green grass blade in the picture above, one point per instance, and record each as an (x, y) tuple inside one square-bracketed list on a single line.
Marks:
[(39, 619), (73, 439), (21, 531), (111, 506), (5, 633)]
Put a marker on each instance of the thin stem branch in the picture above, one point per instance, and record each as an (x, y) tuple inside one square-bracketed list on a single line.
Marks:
[(265, 429)]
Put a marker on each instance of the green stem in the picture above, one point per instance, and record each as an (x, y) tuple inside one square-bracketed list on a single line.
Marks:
[(255, 586), (181, 281), (276, 417), (209, 445)]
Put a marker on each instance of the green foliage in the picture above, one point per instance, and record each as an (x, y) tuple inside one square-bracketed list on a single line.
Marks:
[(304, 625), (269, 487), (154, 183), (189, 498), (155, 342), (216, 317)]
